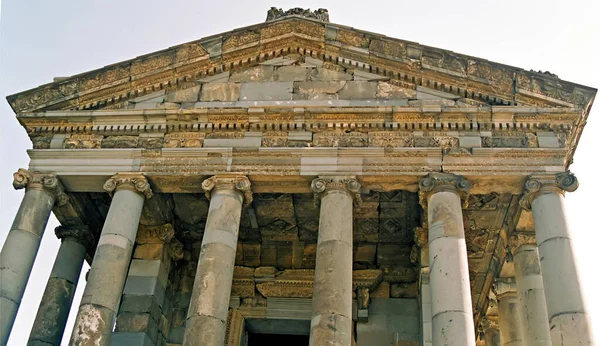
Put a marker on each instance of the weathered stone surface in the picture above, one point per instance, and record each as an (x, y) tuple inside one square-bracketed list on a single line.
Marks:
[(259, 73), (358, 90), (292, 73), (318, 90), (276, 91), (324, 74), (404, 290), (389, 91), (189, 94), (220, 92)]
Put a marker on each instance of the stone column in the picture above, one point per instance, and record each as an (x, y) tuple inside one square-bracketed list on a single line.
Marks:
[(96, 316), (451, 307), (570, 323), (509, 312), (207, 315), (530, 289), (42, 191), (51, 318), (331, 321), (491, 332)]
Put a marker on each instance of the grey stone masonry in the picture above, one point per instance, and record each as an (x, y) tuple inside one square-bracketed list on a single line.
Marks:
[(102, 294), (207, 314), (42, 191), (331, 321), (51, 318)]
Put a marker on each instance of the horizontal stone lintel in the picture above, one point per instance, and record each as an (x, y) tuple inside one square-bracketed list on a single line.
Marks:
[(291, 169)]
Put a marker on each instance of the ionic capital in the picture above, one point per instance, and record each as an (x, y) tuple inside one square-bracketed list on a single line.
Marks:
[(439, 182), (504, 286), (24, 179), (78, 233), (538, 185), (128, 181), (239, 183), (322, 185), (518, 239)]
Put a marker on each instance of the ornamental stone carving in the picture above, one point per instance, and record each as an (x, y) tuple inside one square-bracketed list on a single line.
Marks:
[(538, 185), (79, 233), (321, 186), (133, 182), (240, 183), (438, 182), (24, 179), (155, 234), (320, 14)]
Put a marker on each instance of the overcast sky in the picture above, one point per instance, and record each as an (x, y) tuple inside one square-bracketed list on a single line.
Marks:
[(40, 40)]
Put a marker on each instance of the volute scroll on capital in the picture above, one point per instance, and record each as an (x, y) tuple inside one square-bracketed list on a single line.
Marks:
[(127, 181), (239, 183), (79, 233), (439, 182), (537, 185), (24, 179), (321, 186)]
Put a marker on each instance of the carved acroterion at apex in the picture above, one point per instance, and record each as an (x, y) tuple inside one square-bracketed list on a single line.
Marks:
[(235, 183), (438, 182), (321, 14), (538, 185), (321, 186), (133, 182), (79, 233), (36, 180)]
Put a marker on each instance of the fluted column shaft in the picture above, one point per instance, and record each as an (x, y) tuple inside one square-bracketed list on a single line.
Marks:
[(42, 191), (96, 315), (331, 321), (530, 288), (207, 314), (509, 313), (570, 322), (451, 307), (51, 318)]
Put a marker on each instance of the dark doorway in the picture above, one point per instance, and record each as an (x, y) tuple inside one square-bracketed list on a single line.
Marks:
[(277, 339)]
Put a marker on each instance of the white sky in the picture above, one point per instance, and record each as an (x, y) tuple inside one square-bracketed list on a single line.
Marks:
[(40, 40)]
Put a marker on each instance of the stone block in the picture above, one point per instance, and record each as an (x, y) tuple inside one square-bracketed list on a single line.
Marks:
[(324, 74), (312, 61), (470, 141), (216, 78), (318, 90), (153, 268), (184, 95), (362, 75), (149, 251), (247, 142), (358, 90), (142, 285), (266, 91), (220, 92), (259, 73), (547, 140), (140, 304), (131, 339), (382, 291), (291, 73), (176, 335), (389, 91)]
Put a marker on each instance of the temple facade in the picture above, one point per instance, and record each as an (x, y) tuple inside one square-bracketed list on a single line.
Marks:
[(300, 182)]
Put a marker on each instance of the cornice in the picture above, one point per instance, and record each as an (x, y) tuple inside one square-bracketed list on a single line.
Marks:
[(407, 61)]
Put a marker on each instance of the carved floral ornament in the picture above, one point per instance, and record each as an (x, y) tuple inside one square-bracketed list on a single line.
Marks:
[(439, 182), (240, 183), (133, 182), (24, 179), (538, 185), (321, 186), (79, 233)]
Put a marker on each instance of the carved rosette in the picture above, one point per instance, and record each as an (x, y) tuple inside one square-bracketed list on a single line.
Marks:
[(133, 182), (538, 185), (235, 183), (321, 186), (24, 179), (438, 182), (79, 233)]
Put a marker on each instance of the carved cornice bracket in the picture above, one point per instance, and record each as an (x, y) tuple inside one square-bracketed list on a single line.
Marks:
[(438, 182), (24, 179), (134, 182), (538, 185), (323, 185), (79, 233), (239, 183)]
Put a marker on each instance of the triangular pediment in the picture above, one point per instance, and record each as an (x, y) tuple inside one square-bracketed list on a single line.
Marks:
[(292, 43)]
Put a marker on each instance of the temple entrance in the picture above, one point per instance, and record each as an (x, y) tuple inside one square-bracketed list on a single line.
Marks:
[(277, 339)]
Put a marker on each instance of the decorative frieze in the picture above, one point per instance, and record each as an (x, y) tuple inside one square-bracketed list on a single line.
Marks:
[(538, 185), (320, 186), (239, 183), (83, 141), (129, 181), (184, 140), (24, 179)]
